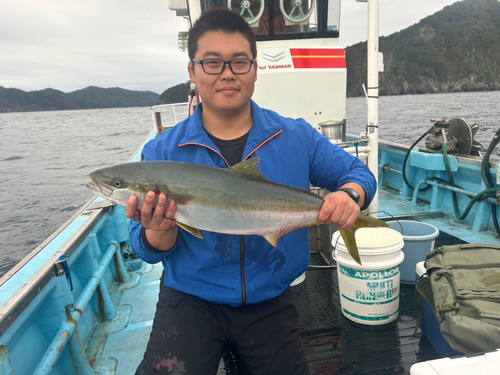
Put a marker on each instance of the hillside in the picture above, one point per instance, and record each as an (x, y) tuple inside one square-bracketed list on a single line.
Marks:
[(455, 49), (175, 94), (15, 100)]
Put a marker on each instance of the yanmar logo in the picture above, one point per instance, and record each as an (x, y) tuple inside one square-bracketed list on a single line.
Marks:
[(274, 57), (270, 67)]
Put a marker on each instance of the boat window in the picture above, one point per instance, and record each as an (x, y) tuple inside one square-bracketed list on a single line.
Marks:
[(285, 19), (333, 16)]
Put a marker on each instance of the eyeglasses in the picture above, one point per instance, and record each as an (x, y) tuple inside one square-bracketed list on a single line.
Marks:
[(217, 66)]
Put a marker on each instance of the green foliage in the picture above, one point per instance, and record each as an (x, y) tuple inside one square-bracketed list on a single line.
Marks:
[(455, 49), (14, 100), (175, 94)]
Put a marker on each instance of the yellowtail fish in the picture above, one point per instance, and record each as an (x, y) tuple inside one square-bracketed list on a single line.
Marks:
[(237, 200)]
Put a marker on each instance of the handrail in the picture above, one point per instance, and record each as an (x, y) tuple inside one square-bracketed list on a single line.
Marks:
[(447, 187), (177, 114)]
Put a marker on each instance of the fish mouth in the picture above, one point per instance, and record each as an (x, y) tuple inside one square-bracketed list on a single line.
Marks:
[(102, 190)]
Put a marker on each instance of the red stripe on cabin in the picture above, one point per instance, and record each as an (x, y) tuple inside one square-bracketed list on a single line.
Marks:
[(317, 58)]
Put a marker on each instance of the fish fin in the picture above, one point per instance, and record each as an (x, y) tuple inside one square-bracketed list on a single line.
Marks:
[(179, 198), (350, 243), (195, 232), (248, 168), (364, 221), (274, 237)]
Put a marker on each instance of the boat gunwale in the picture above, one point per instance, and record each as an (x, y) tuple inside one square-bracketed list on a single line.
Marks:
[(464, 159), (12, 308), (61, 228), (24, 295)]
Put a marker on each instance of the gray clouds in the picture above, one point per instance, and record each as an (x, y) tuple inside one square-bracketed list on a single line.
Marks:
[(68, 45)]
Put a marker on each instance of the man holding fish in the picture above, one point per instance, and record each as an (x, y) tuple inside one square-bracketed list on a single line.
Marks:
[(229, 290)]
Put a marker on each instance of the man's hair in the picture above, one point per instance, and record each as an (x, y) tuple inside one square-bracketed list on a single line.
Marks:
[(220, 19)]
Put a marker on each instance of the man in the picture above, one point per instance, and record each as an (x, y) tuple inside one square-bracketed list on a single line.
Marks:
[(228, 290)]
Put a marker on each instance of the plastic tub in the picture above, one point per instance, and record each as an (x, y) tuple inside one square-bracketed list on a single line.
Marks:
[(418, 239)]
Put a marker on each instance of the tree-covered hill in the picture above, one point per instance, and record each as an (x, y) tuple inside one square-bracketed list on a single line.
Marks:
[(455, 49), (15, 100), (175, 94)]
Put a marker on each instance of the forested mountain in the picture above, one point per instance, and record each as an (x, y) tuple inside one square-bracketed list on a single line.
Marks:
[(15, 100), (175, 94), (455, 49)]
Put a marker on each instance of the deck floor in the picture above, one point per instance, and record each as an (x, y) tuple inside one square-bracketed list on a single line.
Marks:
[(335, 345), (332, 343)]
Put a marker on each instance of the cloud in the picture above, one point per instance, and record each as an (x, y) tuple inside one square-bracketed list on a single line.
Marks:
[(69, 45)]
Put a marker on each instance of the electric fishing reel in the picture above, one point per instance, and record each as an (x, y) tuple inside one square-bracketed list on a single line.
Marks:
[(456, 134)]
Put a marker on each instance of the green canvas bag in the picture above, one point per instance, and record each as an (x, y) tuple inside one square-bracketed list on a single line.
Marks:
[(462, 286)]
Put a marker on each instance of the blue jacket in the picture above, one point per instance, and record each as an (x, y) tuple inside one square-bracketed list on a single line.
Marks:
[(232, 269)]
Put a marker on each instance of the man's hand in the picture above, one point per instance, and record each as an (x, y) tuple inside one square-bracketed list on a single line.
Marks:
[(149, 217), (159, 222), (339, 210)]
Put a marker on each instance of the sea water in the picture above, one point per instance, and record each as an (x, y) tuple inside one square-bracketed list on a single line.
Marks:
[(45, 157)]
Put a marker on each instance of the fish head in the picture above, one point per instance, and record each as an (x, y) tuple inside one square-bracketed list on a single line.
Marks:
[(118, 183)]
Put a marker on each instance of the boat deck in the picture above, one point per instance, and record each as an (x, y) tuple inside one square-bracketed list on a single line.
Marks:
[(332, 343)]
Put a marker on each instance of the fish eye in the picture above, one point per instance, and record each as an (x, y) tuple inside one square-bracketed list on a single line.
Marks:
[(117, 183)]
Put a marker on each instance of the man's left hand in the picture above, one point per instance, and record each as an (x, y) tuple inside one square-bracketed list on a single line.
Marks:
[(339, 210)]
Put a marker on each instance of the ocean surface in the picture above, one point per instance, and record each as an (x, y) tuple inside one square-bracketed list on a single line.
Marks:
[(45, 157)]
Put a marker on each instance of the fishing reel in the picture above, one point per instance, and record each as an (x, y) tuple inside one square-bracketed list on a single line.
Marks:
[(458, 136)]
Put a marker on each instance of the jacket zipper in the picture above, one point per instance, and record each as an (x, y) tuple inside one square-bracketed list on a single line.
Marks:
[(242, 271), (242, 242)]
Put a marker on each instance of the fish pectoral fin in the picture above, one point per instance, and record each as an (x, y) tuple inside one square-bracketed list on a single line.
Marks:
[(274, 237), (195, 232), (350, 243), (179, 198)]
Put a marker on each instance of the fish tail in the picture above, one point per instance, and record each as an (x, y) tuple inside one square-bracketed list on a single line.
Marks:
[(350, 243)]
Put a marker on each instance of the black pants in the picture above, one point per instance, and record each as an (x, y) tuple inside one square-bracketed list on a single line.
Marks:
[(190, 334)]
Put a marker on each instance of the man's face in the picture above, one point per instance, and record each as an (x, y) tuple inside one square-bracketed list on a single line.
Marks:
[(226, 93)]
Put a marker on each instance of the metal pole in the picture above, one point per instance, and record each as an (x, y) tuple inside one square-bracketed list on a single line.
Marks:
[(372, 95)]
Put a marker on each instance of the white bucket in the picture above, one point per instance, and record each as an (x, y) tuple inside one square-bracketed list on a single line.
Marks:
[(369, 294), (299, 279)]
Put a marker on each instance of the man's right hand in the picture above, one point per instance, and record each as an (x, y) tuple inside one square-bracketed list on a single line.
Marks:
[(159, 222)]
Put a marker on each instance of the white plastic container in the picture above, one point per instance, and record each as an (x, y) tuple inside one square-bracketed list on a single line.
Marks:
[(299, 279), (478, 364), (369, 294)]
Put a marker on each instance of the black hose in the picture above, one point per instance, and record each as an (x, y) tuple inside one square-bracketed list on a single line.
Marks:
[(488, 180), (406, 159)]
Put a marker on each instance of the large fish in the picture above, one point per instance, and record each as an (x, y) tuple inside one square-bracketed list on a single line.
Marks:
[(236, 200)]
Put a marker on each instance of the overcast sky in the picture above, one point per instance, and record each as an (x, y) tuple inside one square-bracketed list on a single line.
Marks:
[(68, 45)]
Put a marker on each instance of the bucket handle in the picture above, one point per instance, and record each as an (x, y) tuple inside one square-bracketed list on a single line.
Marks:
[(334, 250)]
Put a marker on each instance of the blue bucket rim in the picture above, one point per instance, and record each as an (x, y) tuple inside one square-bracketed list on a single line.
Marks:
[(417, 238)]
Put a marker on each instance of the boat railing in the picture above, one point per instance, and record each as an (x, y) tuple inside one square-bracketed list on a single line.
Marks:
[(165, 116)]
